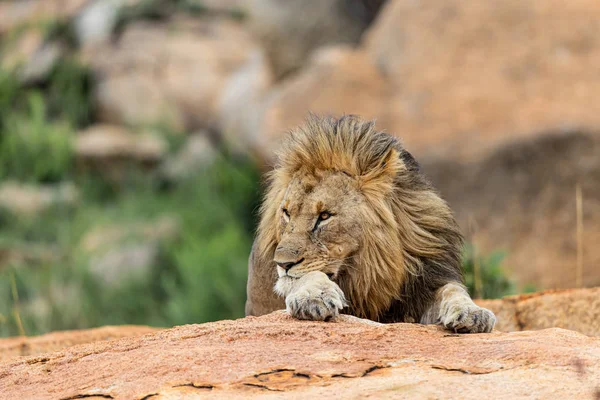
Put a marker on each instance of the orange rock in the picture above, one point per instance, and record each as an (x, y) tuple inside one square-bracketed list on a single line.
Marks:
[(575, 309), (278, 356), (474, 75), (26, 346), (521, 199), (338, 80)]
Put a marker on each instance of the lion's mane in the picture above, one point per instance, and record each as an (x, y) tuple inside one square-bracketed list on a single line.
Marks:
[(411, 245)]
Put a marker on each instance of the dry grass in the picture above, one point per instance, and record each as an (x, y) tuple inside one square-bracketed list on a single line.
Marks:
[(579, 207)]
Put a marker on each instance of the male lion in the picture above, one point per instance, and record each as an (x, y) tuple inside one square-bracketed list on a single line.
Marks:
[(350, 224)]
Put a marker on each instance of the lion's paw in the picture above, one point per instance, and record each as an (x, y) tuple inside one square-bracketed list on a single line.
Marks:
[(320, 301), (467, 318)]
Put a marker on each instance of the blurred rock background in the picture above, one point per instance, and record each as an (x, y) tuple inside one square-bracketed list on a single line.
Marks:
[(133, 134)]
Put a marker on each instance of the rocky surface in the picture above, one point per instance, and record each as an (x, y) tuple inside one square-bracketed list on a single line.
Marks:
[(198, 153), (521, 199), (275, 357), (486, 74), (575, 309), (290, 31), (30, 200), (169, 74), (472, 76), (16, 13), (112, 149), (11, 348), (31, 56), (336, 80)]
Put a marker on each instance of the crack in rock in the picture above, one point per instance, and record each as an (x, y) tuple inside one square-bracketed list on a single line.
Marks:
[(38, 360), (273, 372), (196, 386), (374, 368), (344, 375), (279, 379), (366, 372), (256, 385), (465, 370)]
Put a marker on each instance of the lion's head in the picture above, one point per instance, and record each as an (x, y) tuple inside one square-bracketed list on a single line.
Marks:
[(349, 201)]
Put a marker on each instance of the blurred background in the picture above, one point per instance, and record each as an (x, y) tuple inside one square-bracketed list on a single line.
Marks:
[(133, 134)]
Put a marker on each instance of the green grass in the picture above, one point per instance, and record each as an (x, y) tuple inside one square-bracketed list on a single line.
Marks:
[(494, 281), (37, 123), (32, 148), (45, 278), (199, 277)]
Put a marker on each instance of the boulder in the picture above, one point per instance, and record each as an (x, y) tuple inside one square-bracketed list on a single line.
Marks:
[(111, 150), (96, 22), (15, 13), (169, 74), (30, 200), (14, 347), (574, 309), (30, 56), (109, 141), (242, 103), (468, 76), (290, 31), (336, 81), (460, 78), (277, 356), (196, 153), (521, 199)]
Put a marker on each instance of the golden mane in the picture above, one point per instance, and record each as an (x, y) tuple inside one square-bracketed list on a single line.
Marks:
[(412, 242)]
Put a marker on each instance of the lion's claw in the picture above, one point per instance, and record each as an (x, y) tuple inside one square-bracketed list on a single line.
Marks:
[(468, 318), (319, 301)]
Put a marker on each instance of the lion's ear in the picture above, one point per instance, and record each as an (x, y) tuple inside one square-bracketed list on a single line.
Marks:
[(380, 179)]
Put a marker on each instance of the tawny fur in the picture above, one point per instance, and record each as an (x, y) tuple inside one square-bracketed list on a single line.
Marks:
[(410, 244)]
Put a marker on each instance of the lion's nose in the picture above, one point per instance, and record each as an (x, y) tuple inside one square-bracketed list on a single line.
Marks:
[(287, 265)]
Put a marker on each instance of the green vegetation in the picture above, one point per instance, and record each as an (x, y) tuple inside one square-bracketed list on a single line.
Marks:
[(37, 122), (198, 277), (45, 278), (32, 147), (484, 275)]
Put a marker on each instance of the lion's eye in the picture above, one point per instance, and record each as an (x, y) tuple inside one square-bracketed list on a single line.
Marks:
[(286, 213), (324, 215)]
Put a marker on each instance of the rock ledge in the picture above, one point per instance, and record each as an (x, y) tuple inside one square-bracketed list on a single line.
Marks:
[(276, 356)]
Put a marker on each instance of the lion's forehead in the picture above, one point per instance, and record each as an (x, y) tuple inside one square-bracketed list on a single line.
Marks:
[(314, 194)]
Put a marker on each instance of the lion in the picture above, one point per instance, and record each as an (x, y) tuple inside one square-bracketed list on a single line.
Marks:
[(350, 225)]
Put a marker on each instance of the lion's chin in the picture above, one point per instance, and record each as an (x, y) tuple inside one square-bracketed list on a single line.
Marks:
[(281, 272), (284, 285)]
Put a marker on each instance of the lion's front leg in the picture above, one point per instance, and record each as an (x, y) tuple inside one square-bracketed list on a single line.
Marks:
[(454, 310), (311, 297)]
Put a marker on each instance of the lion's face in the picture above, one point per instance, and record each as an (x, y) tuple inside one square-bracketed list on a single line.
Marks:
[(318, 228)]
